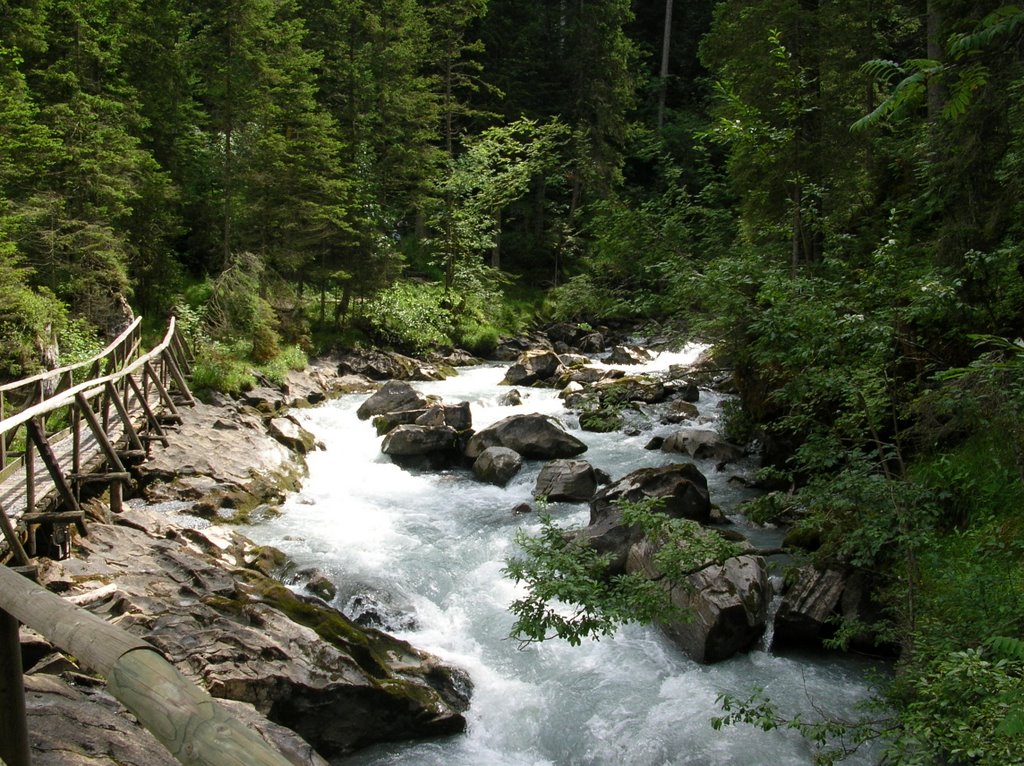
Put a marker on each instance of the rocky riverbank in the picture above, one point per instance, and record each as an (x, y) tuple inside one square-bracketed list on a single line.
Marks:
[(307, 678), (300, 672)]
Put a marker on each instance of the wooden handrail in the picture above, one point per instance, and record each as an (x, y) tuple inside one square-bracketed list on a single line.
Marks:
[(88, 388), (77, 365), (185, 719)]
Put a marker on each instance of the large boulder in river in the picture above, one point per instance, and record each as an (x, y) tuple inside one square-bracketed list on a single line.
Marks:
[(532, 436), (393, 396), (497, 465), (727, 604), (409, 440), (702, 443), (573, 481), (534, 367), (681, 489), (629, 355), (416, 446), (387, 365)]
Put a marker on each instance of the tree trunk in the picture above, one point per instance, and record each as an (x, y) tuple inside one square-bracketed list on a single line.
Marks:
[(496, 250), (666, 45), (935, 52)]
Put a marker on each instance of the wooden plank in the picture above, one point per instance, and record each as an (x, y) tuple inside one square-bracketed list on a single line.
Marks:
[(179, 379), (162, 391), (100, 433), (13, 541), (126, 420), (151, 418), (52, 465)]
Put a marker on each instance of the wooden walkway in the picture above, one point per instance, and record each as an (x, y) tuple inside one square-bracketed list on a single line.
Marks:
[(64, 429)]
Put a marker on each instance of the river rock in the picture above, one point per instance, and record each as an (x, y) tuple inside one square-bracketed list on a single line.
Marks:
[(679, 411), (418, 440), (393, 396), (387, 365), (510, 348), (573, 361), (631, 388), (702, 443), (532, 436), (727, 602), (573, 481), (458, 416), (629, 355), (292, 435), (533, 367), (683, 492), (268, 400), (591, 343), (511, 398), (85, 725), (497, 465), (389, 420), (686, 390), (247, 637), (224, 450)]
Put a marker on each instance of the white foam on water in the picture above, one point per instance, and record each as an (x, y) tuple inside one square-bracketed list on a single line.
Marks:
[(439, 541)]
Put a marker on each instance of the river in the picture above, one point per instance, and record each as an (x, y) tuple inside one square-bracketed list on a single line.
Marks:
[(429, 547)]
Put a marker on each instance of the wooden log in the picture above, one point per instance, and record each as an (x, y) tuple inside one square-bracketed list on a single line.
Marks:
[(126, 420), (13, 725), (187, 721), (37, 435), (52, 517), (13, 541), (151, 418), (116, 496), (100, 434), (162, 391), (179, 379), (184, 718)]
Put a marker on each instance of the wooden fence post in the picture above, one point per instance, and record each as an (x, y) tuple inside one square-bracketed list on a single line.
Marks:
[(13, 726)]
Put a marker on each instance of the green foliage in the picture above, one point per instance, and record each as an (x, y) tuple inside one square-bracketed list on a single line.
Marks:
[(957, 709), (478, 339), (833, 739), (219, 367), (28, 319), (409, 316), (572, 595)]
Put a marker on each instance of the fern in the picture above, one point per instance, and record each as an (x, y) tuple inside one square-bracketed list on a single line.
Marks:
[(1007, 648), (1000, 22), (908, 93), (969, 80), (1012, 649)]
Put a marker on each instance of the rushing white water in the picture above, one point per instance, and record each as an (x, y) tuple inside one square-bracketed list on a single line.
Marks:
[(431, 546)]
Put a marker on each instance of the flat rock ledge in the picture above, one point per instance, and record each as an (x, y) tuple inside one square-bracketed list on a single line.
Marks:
[(293, 668)]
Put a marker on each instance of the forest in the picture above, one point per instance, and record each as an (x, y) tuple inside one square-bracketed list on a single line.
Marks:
[(830, 192)]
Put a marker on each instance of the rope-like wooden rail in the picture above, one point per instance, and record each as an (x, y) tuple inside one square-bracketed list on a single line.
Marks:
[(184, 718), (18, 394), (110, 406)]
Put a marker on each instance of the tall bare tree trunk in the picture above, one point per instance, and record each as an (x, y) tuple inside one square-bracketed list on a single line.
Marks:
[(666, 45)]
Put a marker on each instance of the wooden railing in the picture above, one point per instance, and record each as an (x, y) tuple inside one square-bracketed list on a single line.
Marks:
[(19, 394), (62, 435), (82, 432)]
